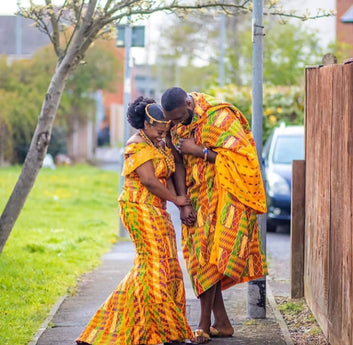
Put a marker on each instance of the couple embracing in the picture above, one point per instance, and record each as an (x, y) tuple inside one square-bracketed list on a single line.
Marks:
[(199, 153)]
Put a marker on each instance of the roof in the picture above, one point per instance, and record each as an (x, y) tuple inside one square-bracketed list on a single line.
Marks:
[(348, 16), (31, 38)]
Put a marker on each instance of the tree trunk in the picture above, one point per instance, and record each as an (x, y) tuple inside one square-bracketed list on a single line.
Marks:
[(2, 144), (35, 155), (41, 137)]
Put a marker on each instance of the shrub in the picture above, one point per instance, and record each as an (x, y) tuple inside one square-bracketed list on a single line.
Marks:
[(280, 104)]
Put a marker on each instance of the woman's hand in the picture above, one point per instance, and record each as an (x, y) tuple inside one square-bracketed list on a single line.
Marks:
[(182, 200), (187, 215)]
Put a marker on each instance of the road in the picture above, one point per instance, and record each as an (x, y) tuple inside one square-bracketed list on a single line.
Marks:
[(278, 259)]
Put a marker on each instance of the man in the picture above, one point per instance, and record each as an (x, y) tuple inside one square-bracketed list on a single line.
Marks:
[(221, 238)]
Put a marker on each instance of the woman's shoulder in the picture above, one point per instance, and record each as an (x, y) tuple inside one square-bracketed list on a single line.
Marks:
[(135, 139), (136, 144)]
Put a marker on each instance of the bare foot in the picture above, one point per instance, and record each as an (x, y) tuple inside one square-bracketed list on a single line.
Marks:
[(221, 332)]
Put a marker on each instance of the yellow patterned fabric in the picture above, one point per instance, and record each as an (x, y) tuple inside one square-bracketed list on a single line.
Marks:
[(225, 243), (148, 306)]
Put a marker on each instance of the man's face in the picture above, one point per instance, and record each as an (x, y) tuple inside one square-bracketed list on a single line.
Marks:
[(182, 114)]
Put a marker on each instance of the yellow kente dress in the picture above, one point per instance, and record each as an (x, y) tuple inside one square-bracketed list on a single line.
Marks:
[(225, 243), (148, 306)]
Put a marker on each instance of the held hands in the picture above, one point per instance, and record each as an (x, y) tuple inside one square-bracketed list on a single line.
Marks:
[(187, 215), (182, 200)]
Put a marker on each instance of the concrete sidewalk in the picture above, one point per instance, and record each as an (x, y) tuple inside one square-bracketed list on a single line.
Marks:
[(71, 314)]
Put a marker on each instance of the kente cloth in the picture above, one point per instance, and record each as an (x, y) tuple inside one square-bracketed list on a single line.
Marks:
[(148, 306), (225, 242)]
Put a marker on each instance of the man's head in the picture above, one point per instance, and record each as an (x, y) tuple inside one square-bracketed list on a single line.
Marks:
[(178, 106)]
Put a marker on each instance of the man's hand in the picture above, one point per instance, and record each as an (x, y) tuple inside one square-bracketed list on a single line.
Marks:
[(187, 215), (189, 146)]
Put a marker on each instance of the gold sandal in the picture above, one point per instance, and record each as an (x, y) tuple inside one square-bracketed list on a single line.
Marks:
[(200, 333)]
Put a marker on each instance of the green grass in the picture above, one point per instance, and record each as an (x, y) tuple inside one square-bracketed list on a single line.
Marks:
[(68, 221), (291, 308)]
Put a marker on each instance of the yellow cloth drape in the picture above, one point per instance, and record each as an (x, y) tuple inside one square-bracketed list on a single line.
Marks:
[(225, 242)]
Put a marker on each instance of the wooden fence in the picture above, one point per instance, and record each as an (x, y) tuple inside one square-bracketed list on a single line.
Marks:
[(328, 247)]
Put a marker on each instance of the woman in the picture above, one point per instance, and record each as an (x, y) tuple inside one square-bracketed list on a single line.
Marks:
[(148, 306)]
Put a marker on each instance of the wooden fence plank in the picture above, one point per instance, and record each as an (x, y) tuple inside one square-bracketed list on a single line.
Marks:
[(328, 260), (297, 229), (349, 278), (338, 176), (311, 82), (317, 193), (347, 283), (321, 246)]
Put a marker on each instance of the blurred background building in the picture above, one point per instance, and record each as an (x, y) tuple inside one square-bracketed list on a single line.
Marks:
[(153, 67)]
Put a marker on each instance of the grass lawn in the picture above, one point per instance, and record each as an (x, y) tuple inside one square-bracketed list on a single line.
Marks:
[(69, 220)]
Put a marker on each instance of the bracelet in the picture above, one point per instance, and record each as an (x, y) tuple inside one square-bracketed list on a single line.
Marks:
[(205, 152)]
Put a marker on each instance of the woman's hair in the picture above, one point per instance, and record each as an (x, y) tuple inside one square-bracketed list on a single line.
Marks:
[(173, 98), (137, 112)]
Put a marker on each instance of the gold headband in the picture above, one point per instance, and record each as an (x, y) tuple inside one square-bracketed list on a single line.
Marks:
[(152, 119)]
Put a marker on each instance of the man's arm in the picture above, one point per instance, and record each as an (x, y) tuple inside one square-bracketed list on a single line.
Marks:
[(179, 176), (187, 214)]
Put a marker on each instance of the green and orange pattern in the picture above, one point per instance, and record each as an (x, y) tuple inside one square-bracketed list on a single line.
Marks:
[(148, 306), (225, 243)]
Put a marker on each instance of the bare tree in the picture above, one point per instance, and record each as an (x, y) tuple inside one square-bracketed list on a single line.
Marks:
[(72, 27)]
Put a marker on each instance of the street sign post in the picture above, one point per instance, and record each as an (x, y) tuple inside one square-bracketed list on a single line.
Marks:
[(137, 36)]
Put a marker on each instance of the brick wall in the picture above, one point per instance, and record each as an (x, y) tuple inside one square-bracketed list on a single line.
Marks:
[(344, 31)]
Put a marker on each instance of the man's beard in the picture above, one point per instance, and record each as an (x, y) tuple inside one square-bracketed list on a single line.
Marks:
[(189, 119)]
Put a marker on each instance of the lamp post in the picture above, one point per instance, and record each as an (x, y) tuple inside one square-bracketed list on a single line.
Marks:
[(257, 288), (127, 100), (222, 37), (128, 37)]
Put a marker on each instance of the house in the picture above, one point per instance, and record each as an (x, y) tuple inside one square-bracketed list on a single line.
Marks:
[(344, 23), (19, 39)]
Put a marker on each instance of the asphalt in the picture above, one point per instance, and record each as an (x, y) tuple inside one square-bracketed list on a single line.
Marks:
[(71, 313)]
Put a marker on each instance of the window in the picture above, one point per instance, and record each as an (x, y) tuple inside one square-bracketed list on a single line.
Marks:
[(288, 148)]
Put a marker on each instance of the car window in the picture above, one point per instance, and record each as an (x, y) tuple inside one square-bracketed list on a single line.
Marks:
[(288, 148), (267, 146)]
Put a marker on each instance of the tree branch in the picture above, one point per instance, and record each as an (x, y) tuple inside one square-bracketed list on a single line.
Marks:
[(55, 26), (78, 12), (107, 5), (78, 19), (61, 10), (297, 16), (122, 5), (114, 12), (41, 25), (82, 39), (228, 8)]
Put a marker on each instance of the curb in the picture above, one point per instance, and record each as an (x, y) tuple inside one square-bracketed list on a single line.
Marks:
[(279, 318), (45, 323)]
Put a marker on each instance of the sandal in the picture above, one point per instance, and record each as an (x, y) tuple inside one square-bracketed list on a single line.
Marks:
[(200, 333)]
